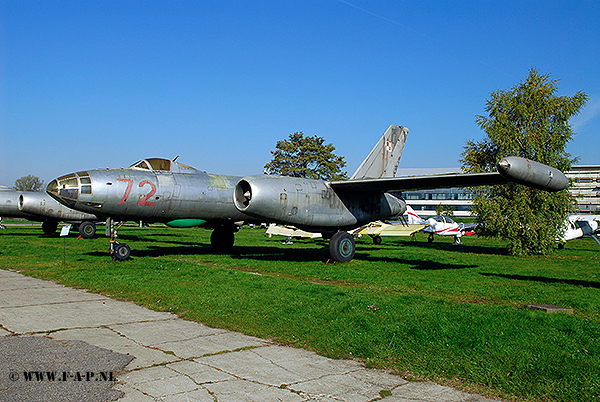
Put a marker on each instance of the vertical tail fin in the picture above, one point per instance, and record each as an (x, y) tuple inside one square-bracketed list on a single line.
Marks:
[(413, 218), (384, 158)]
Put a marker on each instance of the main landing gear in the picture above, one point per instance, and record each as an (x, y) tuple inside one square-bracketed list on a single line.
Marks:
[(223, 237), (342, 247)]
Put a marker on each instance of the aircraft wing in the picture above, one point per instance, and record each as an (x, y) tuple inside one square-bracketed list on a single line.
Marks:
[(510, 169), (406, 183)]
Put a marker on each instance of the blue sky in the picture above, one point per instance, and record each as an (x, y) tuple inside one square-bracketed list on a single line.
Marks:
[(103, 84)]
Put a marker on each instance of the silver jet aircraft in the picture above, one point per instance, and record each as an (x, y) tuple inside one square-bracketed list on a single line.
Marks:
[(39, 207), (162, 190)]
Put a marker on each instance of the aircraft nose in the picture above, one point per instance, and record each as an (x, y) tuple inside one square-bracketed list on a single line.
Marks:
[(68, 188)]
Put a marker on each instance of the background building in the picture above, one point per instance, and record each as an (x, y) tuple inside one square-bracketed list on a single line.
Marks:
[(586, 187)]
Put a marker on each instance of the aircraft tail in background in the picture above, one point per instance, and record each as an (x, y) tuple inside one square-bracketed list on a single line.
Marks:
[(413, 218), (384, 158)]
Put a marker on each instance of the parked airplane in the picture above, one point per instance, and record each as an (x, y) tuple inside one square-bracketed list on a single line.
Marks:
[(39, 207), (167, 191), (441, 225), (580, 226), (379, 229)]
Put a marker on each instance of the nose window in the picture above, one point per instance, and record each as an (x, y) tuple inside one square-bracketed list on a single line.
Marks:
[(68, 186)]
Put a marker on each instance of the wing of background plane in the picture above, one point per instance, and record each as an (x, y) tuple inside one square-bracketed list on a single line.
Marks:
[(384, 158)]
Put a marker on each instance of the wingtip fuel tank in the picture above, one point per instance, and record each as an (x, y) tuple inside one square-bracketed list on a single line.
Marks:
[(533, 174)]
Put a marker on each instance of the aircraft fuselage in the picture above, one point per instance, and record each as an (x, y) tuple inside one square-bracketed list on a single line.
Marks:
[(131, 194)]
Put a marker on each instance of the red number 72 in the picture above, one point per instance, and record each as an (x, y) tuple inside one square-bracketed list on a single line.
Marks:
[(143, 202)]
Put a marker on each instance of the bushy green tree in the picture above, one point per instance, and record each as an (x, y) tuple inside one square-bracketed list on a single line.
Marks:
[(530, 121), (308, 157), (29, 183), (445, 210)]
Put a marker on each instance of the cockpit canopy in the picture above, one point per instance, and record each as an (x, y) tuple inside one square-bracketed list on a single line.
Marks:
[(160, 164), (442, 219)]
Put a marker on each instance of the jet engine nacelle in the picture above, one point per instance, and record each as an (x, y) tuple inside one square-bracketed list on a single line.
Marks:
[(311, 204)]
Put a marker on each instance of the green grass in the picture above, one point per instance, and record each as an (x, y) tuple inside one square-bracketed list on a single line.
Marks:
[(451, 314)]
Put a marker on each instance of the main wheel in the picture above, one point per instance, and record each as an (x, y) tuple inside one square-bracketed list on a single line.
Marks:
[(87, 229), (342, 247), (430, 238), (121, 251), (222, 239), (377, 240), (49, 227)]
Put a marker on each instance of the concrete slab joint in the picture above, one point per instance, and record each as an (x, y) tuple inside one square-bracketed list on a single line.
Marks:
[(156, 356)]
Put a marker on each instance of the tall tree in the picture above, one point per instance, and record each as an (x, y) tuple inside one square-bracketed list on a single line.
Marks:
[(308, 157), (530, 121), (29, 183)]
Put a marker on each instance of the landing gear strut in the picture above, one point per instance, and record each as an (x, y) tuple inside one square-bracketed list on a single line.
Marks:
[(118, 251)]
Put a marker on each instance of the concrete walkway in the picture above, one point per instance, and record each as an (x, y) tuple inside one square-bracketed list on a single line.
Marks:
[(174, 359)]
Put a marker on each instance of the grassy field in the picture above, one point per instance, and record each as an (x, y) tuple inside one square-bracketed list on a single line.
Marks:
[(451, 314)]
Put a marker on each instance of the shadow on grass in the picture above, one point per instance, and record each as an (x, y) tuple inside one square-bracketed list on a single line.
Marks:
[(239, 252), (423, 265), (542, 279), (466, 248), (273, 253), (278, 254)]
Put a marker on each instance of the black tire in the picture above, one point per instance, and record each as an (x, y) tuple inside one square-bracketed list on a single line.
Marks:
[(49, 227), (121, 251), (222, 239), (342, 247), (430, 238), (87, 229), (377, 240)]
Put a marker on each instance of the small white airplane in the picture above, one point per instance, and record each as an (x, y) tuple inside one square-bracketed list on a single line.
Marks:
[(441, 225), (580, 226)]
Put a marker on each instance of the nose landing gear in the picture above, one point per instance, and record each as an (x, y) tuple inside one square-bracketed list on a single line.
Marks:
[(118, 251)]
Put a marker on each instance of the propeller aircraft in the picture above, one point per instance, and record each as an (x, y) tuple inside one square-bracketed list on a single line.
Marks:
[(441, 225)]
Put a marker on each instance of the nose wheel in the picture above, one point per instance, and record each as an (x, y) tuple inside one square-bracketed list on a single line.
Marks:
[(121, 251), (118, 251)]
